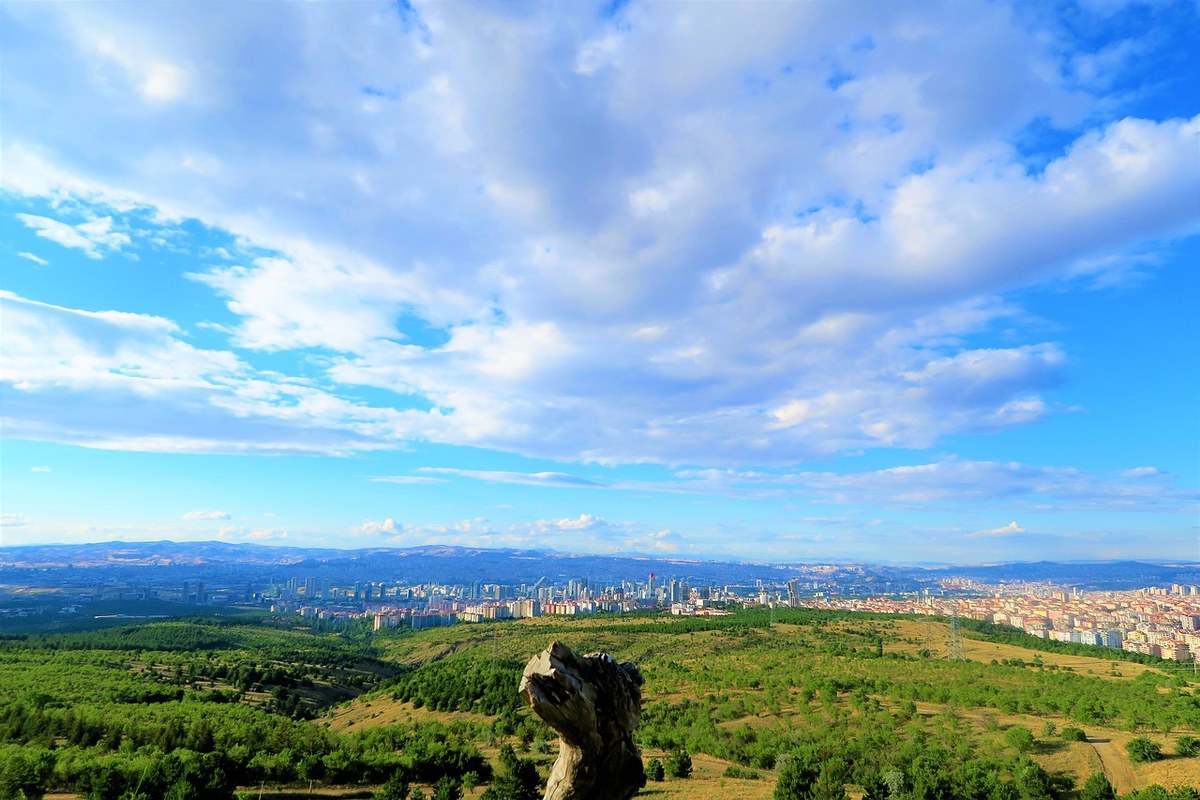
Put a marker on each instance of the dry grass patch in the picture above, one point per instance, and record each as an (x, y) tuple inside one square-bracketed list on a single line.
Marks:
[(707, 782), (913, 635), (377, 711)]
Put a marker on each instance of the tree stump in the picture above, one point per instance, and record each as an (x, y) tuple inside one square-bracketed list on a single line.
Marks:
[(594, 704)]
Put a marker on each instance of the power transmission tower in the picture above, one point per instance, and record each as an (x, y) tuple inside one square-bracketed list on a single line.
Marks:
[(954, 650)]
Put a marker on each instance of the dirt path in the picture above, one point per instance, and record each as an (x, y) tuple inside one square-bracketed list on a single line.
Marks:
[(1116, 768)]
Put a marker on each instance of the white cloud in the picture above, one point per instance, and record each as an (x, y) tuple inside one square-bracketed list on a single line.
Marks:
[(406, 480), (206, 515), (771, 253), (13, 520), (41, 262), (385, 527), (88, 236), (558, 479), (957, 484), (40, 469), (116, 380), (584, 522), (1011, 529)]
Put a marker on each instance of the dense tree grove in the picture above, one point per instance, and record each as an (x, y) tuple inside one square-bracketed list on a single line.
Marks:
[(460, 684)]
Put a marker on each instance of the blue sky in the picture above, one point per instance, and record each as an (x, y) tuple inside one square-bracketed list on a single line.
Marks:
[(892, 282)]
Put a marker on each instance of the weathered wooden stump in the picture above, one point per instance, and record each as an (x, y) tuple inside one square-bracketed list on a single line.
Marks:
[(594, 704)]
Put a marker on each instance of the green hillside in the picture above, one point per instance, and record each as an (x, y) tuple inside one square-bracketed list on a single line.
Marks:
[(812, 705)]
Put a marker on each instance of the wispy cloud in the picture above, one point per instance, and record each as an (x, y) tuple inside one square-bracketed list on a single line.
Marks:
[(40, 469), (41, 262), (558, 479), (92, 237), (206, 515), (13, 520), (415, 480), (962, 483)]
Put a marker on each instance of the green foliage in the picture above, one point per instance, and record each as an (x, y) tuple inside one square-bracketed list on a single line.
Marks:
[(1142, 750), (655, 770), (1156, 792), (1020, 738), (108, 715), (809, 775), (1187, 746), (1097, 788), (394, 788), (734, 771), (679, 764), (518, 778), (1070, 733), (795, 779), (462, 684), (447, 788), (24, 772)]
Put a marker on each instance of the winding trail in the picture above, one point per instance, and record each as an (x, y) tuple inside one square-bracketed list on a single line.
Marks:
[(1116, 768)]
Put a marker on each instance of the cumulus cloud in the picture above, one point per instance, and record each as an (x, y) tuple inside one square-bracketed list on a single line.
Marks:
[(769, 253), (206, 515), (584, 522), (387, 527), (1011, 529)]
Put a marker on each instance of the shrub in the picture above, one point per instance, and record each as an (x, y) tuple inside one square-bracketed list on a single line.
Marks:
[(1142, 750), (679, 764), (1072, 734), (1097, 788), (1021, 738), (1187, 746), (396, 788)]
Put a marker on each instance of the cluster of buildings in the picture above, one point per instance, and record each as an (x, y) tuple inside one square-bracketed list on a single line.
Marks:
[(1155, 621), (392, 605), (1163, 622)]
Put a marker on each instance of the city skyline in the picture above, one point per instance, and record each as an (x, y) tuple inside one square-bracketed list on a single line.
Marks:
[(894, 284)]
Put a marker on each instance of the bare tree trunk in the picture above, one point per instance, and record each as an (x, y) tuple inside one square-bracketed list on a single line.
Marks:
[(594, 704)]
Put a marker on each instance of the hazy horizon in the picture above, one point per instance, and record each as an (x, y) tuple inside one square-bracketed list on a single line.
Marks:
[(895, 283)]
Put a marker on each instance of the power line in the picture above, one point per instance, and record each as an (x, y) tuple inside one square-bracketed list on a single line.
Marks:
[(954, 650)]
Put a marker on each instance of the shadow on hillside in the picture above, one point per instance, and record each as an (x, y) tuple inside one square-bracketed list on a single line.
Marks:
[(1050, 746), (326, 792)]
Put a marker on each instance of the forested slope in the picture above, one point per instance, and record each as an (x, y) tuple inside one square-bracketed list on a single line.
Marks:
[(814, 704)]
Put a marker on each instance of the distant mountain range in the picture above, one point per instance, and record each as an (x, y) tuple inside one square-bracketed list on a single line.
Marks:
[(450, 564), (427, 563)]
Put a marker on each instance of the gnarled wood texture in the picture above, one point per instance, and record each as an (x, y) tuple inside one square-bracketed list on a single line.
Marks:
[(595, 704)]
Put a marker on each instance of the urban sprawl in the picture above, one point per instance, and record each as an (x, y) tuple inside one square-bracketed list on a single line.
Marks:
[(1158, 621)]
